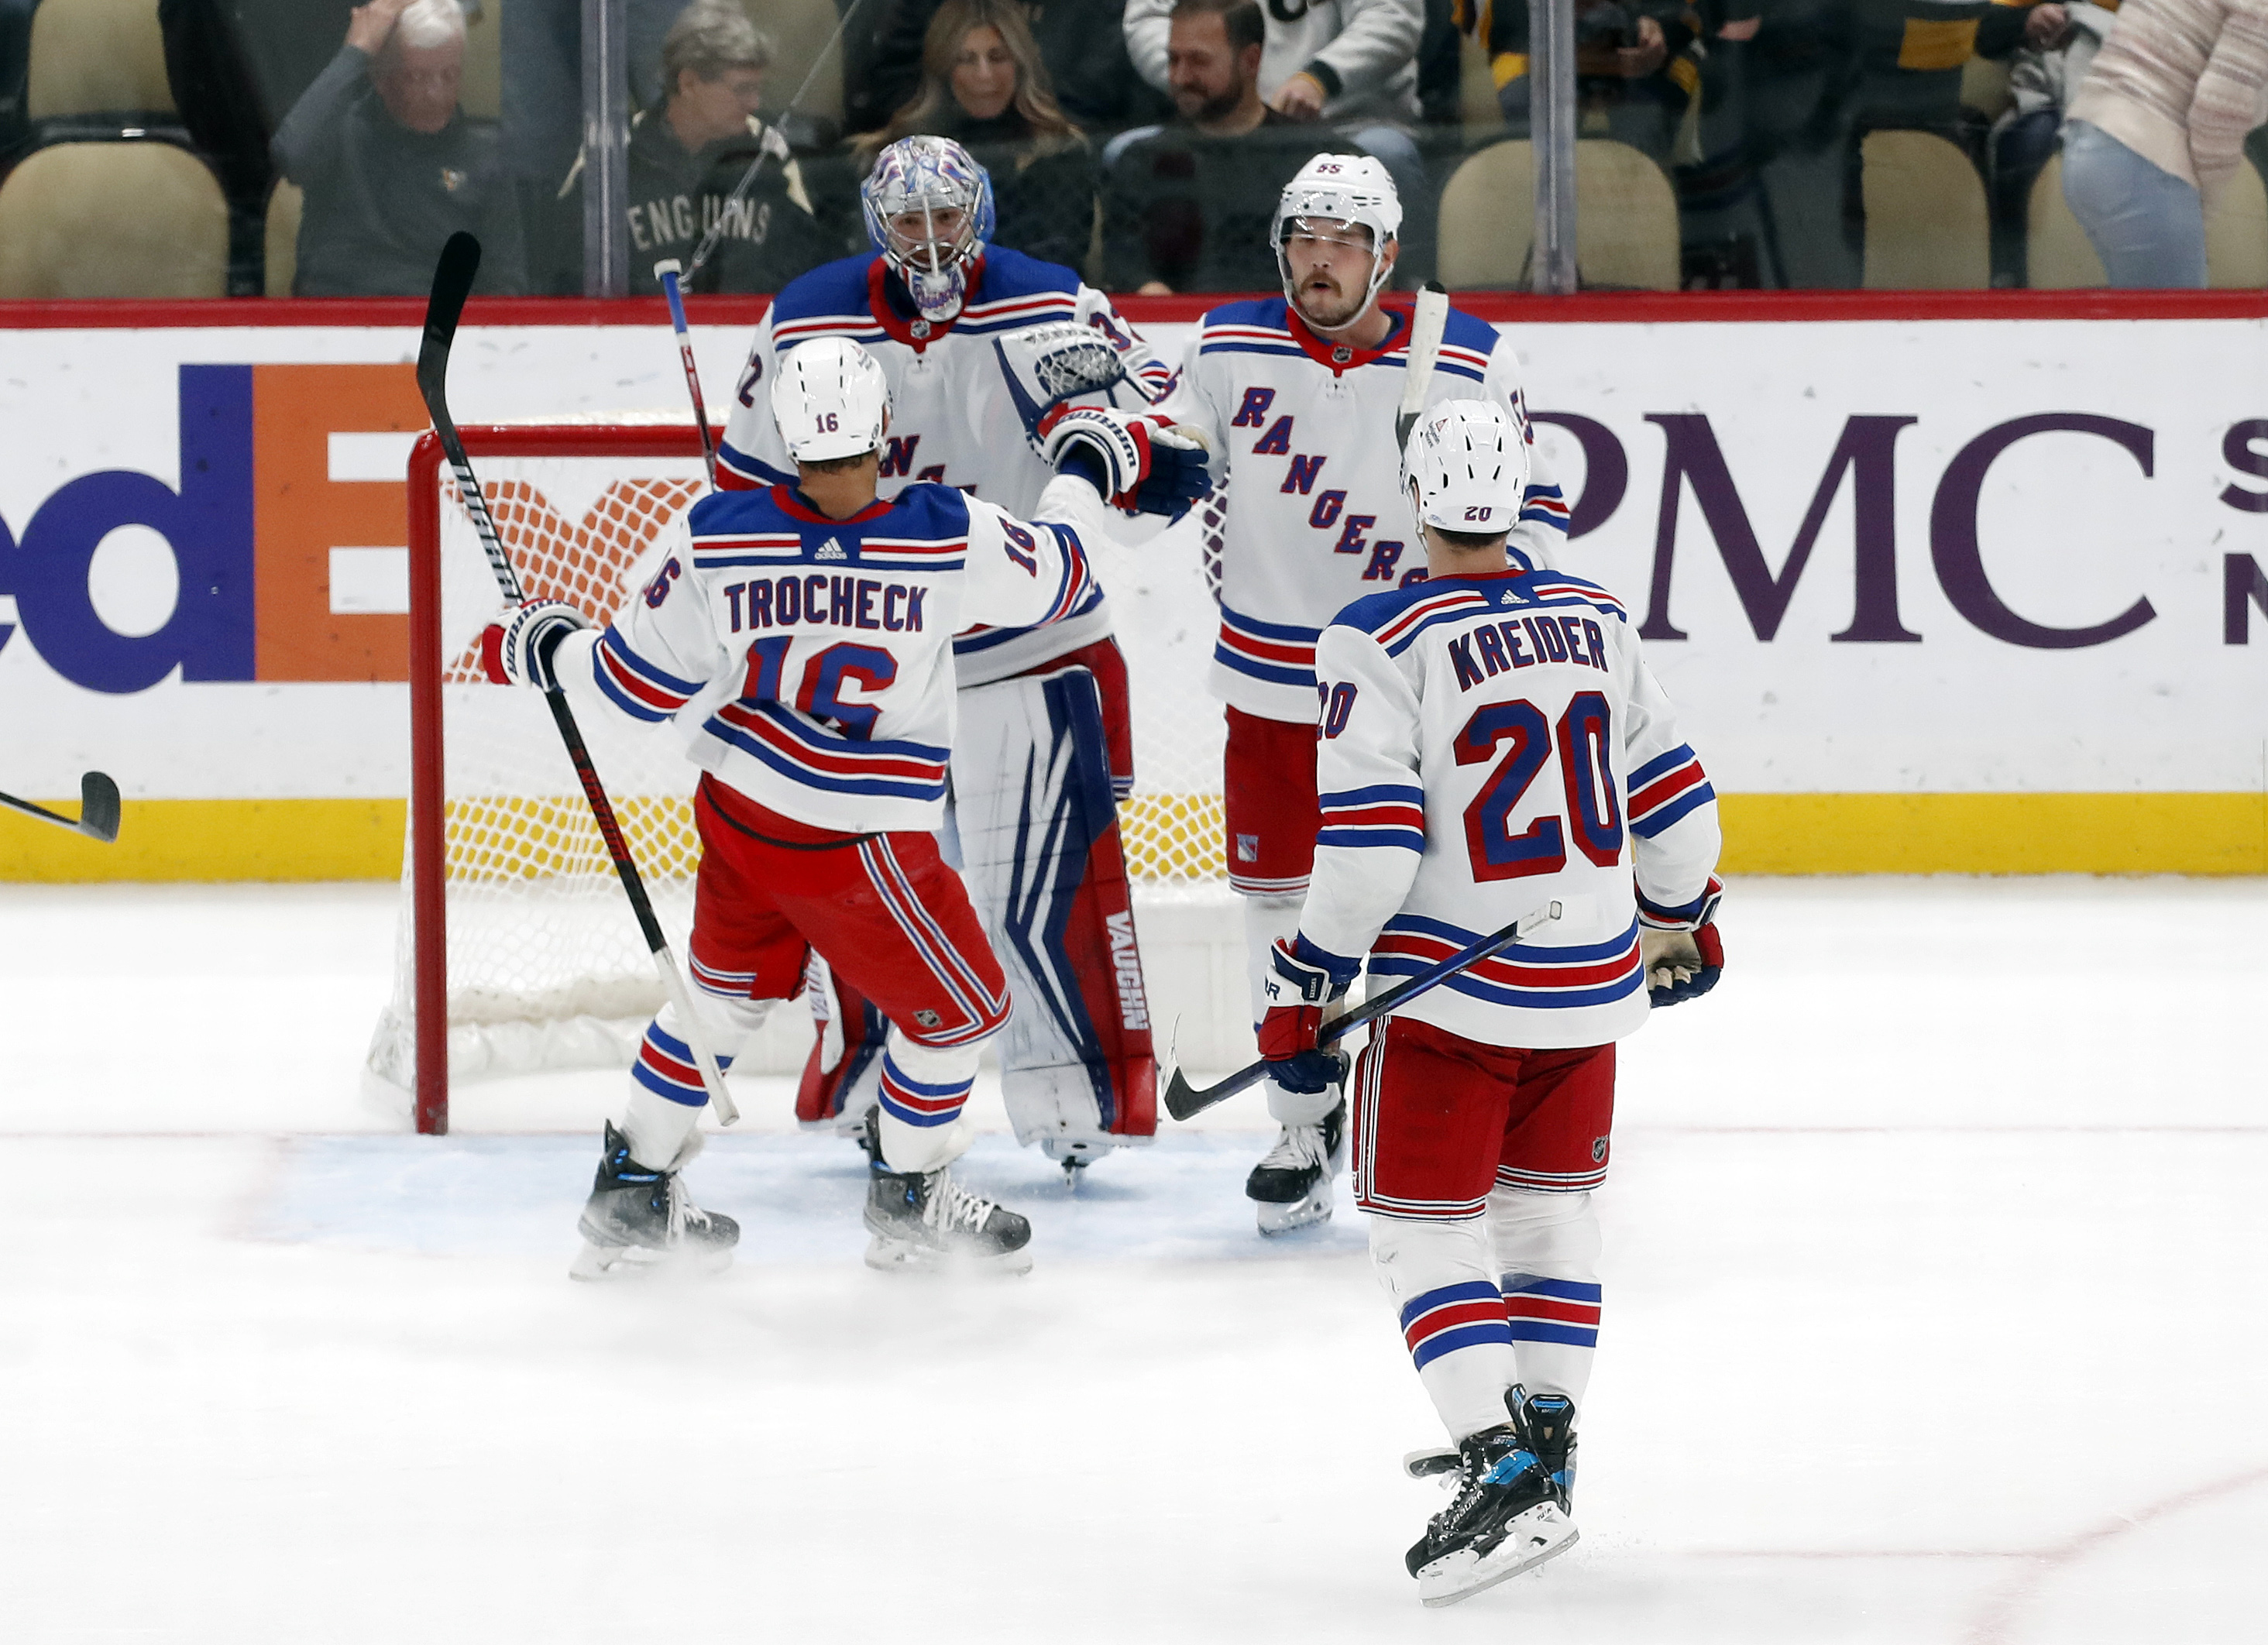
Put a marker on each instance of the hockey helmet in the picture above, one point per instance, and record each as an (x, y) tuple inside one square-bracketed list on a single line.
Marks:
[(1330, 191), (1465, 468), (829, 399), (929, 212)]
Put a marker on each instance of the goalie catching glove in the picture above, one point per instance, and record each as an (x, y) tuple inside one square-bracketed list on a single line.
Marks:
[(516, 649), (1136, 462), (1302, 979)]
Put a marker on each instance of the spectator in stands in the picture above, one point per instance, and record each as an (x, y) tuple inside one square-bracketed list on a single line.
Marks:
[(1338, 60), (2157, 129), (1081, 42), (2059, 41), (391, 165), (1191, 206), (686, 158), (983, 85)]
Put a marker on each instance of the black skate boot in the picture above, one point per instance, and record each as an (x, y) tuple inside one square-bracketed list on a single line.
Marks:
[(1292, 1185), (923, 1219), (1506, 1518), (638, 1220), (1551, 1424)]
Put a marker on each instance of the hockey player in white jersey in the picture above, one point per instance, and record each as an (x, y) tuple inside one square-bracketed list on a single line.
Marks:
[(801, 639), (1492, 746), (1296, 396), (1048, 748)]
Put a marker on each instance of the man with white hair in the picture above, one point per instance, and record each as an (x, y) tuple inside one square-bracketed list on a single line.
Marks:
[(1296, 396), (391, 166)]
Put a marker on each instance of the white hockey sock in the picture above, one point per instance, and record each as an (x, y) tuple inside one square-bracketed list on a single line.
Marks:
[(1547, 1256), (1451, 1317), (1265, 920), (925, 1089), (667, 1095)]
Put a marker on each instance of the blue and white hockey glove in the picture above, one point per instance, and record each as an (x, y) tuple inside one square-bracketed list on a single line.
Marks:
[(1680, 965), (516, 649), (1302, 978), (1136, 462)]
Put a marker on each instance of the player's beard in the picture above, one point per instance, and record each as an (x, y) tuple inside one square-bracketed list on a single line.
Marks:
[(1327, 307)]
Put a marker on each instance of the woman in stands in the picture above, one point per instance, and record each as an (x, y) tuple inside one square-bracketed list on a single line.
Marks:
[(983, 86)]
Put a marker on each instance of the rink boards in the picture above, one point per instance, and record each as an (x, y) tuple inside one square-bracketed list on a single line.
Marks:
[(1966, 594)]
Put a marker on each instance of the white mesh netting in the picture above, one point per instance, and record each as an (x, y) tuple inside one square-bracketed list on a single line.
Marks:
[(546, 967)]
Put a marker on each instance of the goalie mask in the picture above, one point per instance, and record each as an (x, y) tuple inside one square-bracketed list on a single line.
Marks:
[(830, 400), (1465, 469), (929, 212), (1346, 199)]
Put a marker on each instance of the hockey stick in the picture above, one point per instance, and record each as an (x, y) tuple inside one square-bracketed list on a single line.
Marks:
[(670, 274), (1427, 321), (452, 282), (97, 809), (1184, 1101), (708, 246)]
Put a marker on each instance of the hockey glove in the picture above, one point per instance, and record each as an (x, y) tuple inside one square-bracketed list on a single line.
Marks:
[(516, 649), (1680, 965), (1045, 365), (1302, 978), (1136, 462)]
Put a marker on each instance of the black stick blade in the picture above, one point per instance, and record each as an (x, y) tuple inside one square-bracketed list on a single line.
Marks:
[(452, 283), (97, 809), (1182, 1098)]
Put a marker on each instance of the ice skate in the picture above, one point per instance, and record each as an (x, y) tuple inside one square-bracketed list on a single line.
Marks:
[(638, 1221), (1550, 1419), (1292, 1185), (923, 1219), (1507, 1516)]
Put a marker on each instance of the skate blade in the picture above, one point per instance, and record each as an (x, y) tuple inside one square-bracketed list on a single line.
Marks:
[(595, 1261), (1291, 1216), (1430, 1462), (1540, 1534), (888, 1255)]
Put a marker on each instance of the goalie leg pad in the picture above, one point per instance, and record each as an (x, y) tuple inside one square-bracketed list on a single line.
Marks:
[(842, 1076), (1039, 836), (1452, 1319), (1547, 1258)]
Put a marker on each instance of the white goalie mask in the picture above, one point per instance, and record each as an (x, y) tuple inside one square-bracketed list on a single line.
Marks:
[(929, 211), (830, 400), (1465, 468), (1333, 196)]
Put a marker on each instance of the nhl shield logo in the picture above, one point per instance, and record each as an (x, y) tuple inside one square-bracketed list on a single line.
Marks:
[(930, 1019), (1599, 1150), (920, 328), (1341, 354)]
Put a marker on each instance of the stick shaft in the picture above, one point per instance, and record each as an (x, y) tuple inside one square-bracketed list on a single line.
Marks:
[(40, 812), (672, 289)]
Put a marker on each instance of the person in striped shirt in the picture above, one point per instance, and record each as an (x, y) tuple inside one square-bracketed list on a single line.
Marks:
[(1493, 747), (1296, 397), (801, 639)]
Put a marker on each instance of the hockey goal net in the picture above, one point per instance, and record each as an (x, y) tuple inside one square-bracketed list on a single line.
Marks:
[(516, 948)]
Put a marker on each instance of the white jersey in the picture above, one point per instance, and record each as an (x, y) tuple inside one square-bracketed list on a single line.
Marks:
[(1302, 438), (810, 660), (951, 418), (1489, 745)]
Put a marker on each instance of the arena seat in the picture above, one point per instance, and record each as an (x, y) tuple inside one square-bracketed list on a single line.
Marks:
[(1625, 219), (1984, 87), (1478, 109), (801, 29), (1928, 229), (96, 55), (2236, 235), (481, 94), (140, 219), (284, 203)]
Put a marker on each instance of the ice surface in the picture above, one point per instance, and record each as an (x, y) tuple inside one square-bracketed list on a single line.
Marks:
[(1935, 1313)]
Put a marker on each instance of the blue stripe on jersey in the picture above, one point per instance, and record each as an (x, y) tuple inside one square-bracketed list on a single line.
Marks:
[(751, 467)]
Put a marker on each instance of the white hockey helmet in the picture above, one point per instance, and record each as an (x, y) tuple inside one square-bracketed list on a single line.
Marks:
[(1332, 190), (830, 400), (1465, 468)]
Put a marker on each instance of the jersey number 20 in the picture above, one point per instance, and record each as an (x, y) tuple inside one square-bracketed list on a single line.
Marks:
[(1594, 813)]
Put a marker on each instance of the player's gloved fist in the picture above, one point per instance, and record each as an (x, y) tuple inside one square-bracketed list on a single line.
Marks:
[(1138, 462), (516, 649), (1302, 978), (1680, 965)]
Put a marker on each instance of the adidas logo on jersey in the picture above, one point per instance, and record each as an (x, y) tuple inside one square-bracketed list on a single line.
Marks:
[(831, 549)]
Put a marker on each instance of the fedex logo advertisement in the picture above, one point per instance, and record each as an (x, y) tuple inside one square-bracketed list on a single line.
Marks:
[(257, 526)]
